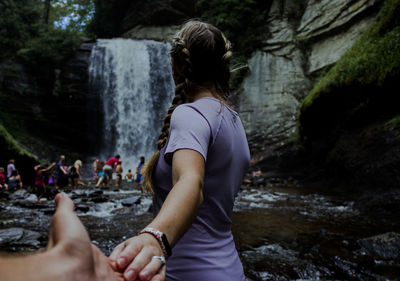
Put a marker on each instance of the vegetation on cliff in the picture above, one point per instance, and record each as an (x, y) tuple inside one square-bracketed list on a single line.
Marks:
[(365, 73), (350, 120)]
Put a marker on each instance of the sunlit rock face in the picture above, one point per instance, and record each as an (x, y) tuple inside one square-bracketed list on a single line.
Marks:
[(304, 40)]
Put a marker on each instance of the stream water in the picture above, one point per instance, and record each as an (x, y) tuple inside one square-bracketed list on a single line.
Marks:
[(282, 233)]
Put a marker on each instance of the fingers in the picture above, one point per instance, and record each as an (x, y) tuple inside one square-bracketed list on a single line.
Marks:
[(103, 267), (115, 253), (65, 225), (151, 269), (127, 252), (64, 203), (135, 254), (160, 276)]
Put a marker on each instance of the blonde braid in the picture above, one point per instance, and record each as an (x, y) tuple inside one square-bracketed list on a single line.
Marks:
[(178, 51)]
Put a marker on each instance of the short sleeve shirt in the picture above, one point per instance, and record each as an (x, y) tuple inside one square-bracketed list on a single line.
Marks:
[(207, 249)]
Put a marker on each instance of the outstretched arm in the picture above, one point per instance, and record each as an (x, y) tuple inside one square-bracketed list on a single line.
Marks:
[(135, 256), (69, 256)]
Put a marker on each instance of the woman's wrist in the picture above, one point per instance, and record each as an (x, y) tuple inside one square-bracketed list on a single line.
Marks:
[(161, 239)]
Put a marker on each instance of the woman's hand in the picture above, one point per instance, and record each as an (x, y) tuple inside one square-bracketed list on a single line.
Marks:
[(134, 258)]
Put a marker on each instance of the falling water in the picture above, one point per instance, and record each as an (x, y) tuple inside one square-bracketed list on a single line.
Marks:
[(134, 81)]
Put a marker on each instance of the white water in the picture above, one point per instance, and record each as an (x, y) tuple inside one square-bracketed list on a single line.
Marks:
[(134, 81)]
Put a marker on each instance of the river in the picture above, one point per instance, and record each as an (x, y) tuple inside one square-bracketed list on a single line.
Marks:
[(282, 232)]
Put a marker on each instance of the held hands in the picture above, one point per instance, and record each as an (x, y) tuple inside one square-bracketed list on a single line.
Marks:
[(70, 244), (138, 259)]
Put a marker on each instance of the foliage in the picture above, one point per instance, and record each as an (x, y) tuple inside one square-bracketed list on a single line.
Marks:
[(25, 34), (373, 59), (73, 15), (242, 22), (51, 47), (19, 20), (11, 144)]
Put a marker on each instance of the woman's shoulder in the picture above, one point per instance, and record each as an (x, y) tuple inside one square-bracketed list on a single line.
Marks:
[(211, 109)]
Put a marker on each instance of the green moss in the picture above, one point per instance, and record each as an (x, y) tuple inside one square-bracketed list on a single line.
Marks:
[(373, 59), (393, 123), (12, 145)]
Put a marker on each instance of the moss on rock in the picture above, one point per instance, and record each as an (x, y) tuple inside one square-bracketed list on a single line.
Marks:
[(373, 61), (11, 145)]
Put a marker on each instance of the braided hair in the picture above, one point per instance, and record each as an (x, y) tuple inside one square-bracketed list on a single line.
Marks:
[(200, 57)]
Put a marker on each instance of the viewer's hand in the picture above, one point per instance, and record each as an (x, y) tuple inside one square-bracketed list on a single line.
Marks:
[(71, 244), (134, 257)]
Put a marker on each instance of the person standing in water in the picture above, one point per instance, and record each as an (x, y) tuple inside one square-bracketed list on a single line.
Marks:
[(10, 167), (75, 173), (202, 156), (39, 181), (140, 170), (62, 173), (108, 169), (129, 176), (118, 171)]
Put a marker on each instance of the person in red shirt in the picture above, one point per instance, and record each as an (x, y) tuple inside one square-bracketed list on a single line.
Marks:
[(108, 169), (3, 179)]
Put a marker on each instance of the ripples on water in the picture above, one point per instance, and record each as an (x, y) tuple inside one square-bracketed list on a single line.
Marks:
[(281, 233)]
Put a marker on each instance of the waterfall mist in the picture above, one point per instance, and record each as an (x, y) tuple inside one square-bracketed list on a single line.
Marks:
[(133, 79)]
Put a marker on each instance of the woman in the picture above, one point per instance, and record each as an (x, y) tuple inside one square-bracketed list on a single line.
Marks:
[(196, 172), (39, 181), (14, 181), (75, 173)]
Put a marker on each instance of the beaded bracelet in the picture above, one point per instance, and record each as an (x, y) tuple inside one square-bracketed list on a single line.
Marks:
[(161, 238)]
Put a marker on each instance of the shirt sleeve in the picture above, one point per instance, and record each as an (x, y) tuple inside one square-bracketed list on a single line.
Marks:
[(189, 129)]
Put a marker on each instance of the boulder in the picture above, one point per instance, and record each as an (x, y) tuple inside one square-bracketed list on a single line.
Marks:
[(131, 201), (384, 246), (19, 237), (327, 16)]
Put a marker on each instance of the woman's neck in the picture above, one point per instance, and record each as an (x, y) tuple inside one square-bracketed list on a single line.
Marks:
[(204, 94)]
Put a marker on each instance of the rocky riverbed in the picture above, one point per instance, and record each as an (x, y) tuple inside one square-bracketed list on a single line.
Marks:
[(283, 231)]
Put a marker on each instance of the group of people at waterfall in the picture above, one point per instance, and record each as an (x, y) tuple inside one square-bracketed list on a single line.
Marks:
[(60, 175), (13, 180), (103, 171)]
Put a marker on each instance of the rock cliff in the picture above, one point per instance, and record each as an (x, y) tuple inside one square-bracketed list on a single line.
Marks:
[(299, 49)]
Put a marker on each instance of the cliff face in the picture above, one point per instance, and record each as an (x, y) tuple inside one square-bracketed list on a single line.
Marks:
[(300, 48), (46, 113)]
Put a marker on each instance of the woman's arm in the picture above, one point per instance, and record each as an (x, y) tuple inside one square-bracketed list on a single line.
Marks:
[(49, 167), (78, 171), (134, 256), (63, 170)]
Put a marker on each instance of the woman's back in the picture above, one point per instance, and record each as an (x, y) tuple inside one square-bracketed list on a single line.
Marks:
[(207, 250), (13, 183)]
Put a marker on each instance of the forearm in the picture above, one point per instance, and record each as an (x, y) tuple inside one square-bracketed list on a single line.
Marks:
[(179, 209)]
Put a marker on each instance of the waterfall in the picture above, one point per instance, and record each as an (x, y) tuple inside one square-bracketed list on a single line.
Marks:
[(133, 79)]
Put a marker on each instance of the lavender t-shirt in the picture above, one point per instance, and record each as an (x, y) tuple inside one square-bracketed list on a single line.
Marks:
[(207, 250)]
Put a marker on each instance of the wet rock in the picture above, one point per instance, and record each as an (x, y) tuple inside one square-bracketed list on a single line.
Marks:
[(96, 193), (383, 246), (100, 199), (30, 205), (19, 237), (19, 194), (82, 208), (131, 201), (4, 195)]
